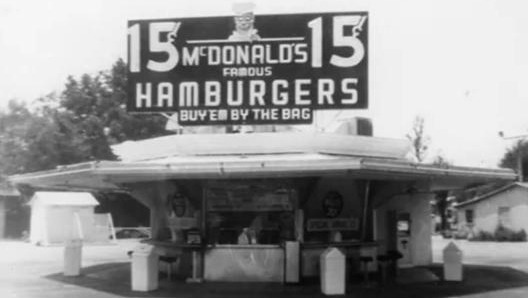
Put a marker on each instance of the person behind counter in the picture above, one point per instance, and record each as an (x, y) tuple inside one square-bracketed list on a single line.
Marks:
[(247, 237)]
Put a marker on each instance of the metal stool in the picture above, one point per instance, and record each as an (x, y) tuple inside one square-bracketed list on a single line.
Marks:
[(169, 260), (364, 261), (394, 256), (383, 263)]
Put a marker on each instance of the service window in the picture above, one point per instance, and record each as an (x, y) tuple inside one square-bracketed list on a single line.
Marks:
[(249, 213)]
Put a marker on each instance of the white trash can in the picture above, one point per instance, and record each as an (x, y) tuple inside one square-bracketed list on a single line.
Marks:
[(72, 257), (333, 271), (144, 268), (292, 260), (452, 263)]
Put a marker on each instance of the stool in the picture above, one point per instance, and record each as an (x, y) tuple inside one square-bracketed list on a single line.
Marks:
[(394, 256), (383, 262), (169, 260), (364, 261)]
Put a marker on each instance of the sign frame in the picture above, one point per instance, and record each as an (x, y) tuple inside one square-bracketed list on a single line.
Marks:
[(279, 72)]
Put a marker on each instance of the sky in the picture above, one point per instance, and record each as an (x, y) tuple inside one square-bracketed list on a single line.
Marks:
[(460, 64)]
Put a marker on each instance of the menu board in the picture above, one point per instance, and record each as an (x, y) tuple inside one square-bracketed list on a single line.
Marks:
[(332, 224), (248, 197)]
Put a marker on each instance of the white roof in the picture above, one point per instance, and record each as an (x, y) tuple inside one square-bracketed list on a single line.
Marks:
[(111, 174), (56, 198), (492, 193), (260, 143), (256, 155)]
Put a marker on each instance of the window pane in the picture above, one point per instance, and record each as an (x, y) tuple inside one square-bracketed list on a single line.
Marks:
[(469, 216)]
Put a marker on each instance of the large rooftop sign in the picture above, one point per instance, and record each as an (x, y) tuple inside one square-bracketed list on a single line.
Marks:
[(248, 69)]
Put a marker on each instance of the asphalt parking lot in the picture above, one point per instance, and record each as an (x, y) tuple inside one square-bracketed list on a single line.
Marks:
[(26, 271), (509, 254)]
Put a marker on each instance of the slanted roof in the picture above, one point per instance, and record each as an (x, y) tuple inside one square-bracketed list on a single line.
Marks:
[(492, 193), (55, 198), (257, 155)]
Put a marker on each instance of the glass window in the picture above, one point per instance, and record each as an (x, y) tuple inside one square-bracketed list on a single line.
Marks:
[(469, 216), (249, 227), (249, 213)]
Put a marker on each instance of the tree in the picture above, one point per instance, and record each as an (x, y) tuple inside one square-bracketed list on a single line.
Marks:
[(510, 158), (32, 142), (75, 126), (420, 142), (441, 161), (440, 199), (103, 96)]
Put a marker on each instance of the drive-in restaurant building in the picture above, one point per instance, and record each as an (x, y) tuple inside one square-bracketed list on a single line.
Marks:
[(264, 206)]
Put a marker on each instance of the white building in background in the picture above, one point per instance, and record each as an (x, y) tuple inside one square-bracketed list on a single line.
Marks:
[(59, 216), (506, 206)]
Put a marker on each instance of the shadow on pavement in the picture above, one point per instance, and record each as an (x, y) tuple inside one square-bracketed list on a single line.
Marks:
[(114, 278)]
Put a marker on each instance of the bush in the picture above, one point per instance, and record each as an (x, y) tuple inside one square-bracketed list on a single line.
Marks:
[(501, 234), (461, 234), (483, 236), (506, 234), (520, 236), (447, 234)]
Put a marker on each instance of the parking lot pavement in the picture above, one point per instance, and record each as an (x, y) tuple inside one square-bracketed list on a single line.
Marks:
[(23, 268), (27, 271), (509, 254)]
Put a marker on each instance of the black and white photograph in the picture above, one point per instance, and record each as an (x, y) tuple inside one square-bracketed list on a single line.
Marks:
[(252, 148)]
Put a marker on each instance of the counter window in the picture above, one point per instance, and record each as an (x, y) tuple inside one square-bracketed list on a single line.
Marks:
[(249, 227), (249, 214)]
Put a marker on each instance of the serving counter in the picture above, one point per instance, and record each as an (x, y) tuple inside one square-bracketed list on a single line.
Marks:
[(261, 262), (253, 262)]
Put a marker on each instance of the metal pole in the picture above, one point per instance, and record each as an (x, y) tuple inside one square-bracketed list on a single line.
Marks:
[(520, 161), (365, 211)]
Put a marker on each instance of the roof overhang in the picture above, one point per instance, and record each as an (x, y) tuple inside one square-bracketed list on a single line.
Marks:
[(110, 175)]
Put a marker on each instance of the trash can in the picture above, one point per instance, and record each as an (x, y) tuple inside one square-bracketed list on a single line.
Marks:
[(452, 263), (333, 269), (144, 268), (72, 257), (292, 262)]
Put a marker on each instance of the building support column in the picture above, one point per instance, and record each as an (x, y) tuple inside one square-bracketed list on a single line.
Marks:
[(364, 216), (154, 196)]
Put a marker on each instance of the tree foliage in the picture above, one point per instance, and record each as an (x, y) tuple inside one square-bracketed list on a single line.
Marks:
[(31, 142), (101, 100), (509, 160), (77, 125), (418, 138)]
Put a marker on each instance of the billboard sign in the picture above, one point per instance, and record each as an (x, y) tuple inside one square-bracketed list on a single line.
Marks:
[(247, 69)]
